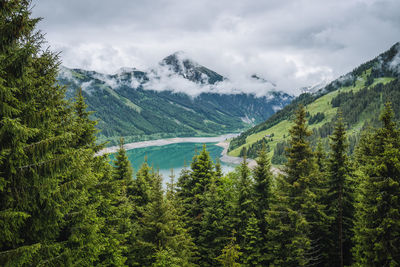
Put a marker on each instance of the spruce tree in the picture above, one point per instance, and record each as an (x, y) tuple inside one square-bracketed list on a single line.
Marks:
[(262, 196), (245, 205), (340, 198), (85, 134), (230, 254), (140, 197), (321, 158), (253, 245), (201, 175), (46, 213), (215, 226), (218, 170), (377, 227), (123, 167), (296, 218), (163, 230)]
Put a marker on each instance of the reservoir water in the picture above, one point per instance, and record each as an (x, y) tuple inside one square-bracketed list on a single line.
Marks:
[(172, 156)]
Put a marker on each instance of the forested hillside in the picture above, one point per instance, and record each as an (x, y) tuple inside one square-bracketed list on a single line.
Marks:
[(359, 95), (125, 104)]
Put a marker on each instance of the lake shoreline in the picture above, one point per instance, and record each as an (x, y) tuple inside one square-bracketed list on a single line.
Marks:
[(168, 141), (230, 159)]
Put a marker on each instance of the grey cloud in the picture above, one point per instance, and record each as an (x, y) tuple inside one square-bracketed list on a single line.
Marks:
[(294, 43)]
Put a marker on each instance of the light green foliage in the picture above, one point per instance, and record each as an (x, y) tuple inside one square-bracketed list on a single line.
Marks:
[(123, 168), (359, 102), (230, 254)]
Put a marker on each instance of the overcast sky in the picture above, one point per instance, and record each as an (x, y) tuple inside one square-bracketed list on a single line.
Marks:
[(293, 43)]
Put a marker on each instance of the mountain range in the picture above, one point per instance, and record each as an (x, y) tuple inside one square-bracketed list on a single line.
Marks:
[(359, 96), (179, 97)]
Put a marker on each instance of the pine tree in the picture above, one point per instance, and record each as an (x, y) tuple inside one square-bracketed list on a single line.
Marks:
[(321, 158), (141, 188), (45, 210), (85, 134), (140, 196), (253, 254), (218, 170), (107, 196), (262, 197), (193, 189), (340, 198), (162, 230), (377, 227), (296, 218), (230, 254), (215, 226), (123, 168), (245, 205)]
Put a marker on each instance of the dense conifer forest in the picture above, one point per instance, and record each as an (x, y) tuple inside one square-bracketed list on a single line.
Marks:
[(61, 204)]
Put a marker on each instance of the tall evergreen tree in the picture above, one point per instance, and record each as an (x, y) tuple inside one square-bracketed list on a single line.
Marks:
[(295, 217), (340, 198), (193, 189), (163, 230), (215, 226), (45, 208), (253, 245), (85, 133), (262, 196), (123, 167), (377, 227), (245, 205)]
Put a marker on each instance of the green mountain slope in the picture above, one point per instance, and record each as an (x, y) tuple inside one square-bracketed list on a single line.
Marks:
[(359, 95), (124, 107)]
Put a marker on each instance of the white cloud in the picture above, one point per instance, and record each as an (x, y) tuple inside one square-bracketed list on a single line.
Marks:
[(162, 79)]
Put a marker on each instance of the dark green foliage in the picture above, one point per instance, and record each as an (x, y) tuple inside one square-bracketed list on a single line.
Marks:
[(202, 172), (378, 221), (245, 202), (215, 225), (296, 217), (279, 156), (253, 252), (162, 230), (321, 158), (316, 118), (262, 194), (46, 213), (368, 101), (340, 198), (253, 150), (195, 187), (85, 126), (262, 185)]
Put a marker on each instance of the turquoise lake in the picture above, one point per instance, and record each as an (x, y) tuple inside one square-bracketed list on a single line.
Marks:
[(173, 156)]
